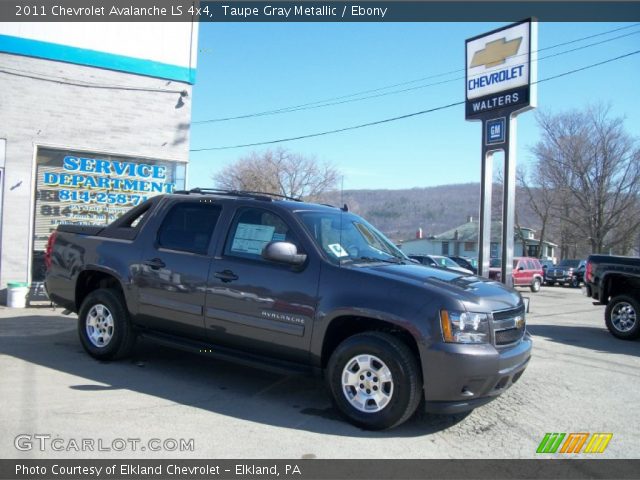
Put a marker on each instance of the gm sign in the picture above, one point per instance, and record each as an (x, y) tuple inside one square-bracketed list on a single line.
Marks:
[(499, 70), (496, 130)]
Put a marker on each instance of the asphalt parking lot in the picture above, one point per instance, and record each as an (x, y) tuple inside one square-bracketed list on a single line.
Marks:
[(580, 379)]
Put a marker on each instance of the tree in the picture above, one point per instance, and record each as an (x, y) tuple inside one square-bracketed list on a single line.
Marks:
[(541, 198), (590, 167), (281, 172)]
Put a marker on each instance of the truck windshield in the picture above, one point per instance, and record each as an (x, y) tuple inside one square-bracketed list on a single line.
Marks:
[(445, 262), (569, 263), (347, 237)]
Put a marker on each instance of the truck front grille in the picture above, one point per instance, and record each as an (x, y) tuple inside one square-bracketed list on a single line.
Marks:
[(509, 326)]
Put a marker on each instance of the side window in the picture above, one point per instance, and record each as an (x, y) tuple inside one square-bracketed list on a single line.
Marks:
[(253, 229), (530, 265), (188, 227)]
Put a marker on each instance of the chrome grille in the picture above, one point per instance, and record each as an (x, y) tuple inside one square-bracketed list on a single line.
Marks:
[(509, 326)]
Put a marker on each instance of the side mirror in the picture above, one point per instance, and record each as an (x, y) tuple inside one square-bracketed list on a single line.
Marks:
[(283, 252), (520, 268)]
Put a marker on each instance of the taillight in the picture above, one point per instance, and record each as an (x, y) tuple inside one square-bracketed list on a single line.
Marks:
[(587, 273), (49, 249)]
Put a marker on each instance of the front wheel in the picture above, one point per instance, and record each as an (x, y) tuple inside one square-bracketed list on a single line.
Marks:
[(574, 282), (104, 327), (374, 380), (621, 317), (535, 286)]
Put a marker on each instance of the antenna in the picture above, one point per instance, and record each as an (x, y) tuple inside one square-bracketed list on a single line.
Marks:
[(341, 213)]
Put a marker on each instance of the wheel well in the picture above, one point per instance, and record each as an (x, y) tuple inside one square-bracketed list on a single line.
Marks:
[(347, 326), (91, 280), (620, 285)]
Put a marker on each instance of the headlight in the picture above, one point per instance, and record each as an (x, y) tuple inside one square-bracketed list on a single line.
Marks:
[(464, 327)]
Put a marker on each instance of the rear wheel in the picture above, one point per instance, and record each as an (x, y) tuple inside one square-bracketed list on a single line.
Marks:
[(621, 317), (374, 380), (104, 326), (535, 286)]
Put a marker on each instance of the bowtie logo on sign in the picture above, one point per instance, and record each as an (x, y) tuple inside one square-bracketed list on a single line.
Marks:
[(496, 53)]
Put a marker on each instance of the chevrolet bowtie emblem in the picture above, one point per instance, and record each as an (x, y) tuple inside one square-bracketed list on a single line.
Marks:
[(496, 52)]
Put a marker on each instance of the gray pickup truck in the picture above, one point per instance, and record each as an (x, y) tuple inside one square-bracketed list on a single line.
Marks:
[(614, 281), (296, 287)]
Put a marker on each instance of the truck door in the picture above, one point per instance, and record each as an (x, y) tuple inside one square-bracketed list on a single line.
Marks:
[(258, 305), (173, 271)]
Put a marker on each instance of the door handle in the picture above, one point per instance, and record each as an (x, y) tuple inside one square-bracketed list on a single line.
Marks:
[(226, 276), (155, 263)]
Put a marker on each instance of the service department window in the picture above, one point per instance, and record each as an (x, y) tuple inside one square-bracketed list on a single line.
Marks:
[(83, 188), (253, 229)]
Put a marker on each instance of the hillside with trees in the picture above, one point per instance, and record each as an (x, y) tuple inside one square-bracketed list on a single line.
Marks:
[(399, 213)]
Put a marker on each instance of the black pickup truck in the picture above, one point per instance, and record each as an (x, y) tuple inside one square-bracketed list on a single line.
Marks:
[(615, 282), (292, 286)]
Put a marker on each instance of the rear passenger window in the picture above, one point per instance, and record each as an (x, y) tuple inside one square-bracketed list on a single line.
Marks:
[(188, 227), (253, 229)]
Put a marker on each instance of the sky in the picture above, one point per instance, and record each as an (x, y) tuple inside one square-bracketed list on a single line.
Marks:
[(257, 67)]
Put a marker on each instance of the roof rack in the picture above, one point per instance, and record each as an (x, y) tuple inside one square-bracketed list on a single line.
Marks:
[(266, 196)]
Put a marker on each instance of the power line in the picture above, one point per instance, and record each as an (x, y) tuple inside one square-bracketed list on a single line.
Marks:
[(336, 100), (419, 87), (402, 117)]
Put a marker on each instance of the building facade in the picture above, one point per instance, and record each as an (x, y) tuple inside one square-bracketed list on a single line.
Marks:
[(463, 241), (94, 118)]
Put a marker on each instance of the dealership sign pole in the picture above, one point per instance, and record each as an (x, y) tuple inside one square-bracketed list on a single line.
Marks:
[(500, 83)]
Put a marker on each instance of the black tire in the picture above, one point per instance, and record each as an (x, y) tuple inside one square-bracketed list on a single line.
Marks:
[(574, 282), (627, 327), (535, 285), (406, 380), (122, 339)]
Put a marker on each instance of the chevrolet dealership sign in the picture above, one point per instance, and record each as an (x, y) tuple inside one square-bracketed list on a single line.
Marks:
[(500, 70)]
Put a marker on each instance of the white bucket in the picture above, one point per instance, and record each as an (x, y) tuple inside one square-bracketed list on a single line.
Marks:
[(17, 294)]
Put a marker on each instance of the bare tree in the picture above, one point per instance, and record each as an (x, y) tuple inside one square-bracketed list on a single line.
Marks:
[(281, 172), (541, 199), (592, 167)]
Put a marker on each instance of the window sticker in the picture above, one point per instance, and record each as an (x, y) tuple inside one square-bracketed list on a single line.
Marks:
[(250, 238), (337, 250), (279, 237)]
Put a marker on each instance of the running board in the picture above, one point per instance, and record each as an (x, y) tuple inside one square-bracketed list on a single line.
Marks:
[(282, 367)]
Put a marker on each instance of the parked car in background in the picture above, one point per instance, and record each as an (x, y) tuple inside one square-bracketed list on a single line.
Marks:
[(438, 261), (578, 274), (546, 264), (466, 262), (615, 282), (561, 273), (527, 272)]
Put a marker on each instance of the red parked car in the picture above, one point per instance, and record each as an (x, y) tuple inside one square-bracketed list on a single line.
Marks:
[(527, 272)]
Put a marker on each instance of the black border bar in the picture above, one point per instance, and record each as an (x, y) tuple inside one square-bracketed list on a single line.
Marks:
[(318, 11), (327, 469)]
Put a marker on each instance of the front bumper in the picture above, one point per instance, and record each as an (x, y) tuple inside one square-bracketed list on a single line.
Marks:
[(561, 278), (458, 378)]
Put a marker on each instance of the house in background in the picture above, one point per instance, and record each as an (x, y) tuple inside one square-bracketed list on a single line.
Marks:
[(463, 241)]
